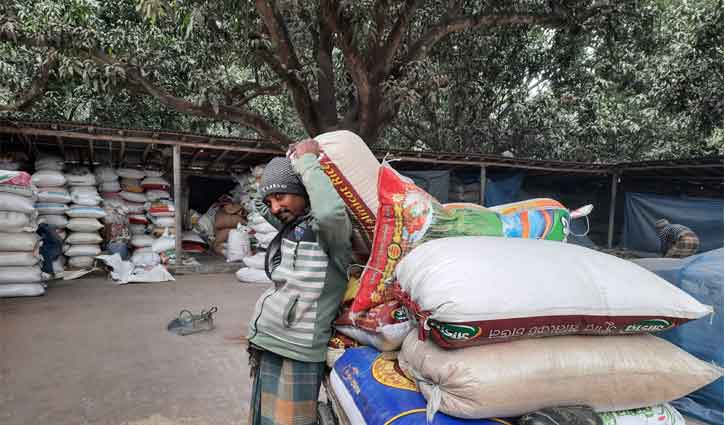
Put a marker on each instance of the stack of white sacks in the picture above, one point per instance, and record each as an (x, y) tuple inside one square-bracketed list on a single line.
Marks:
[(52, 198), (134, 199), (83, 242), (261, 231), (20, 273)]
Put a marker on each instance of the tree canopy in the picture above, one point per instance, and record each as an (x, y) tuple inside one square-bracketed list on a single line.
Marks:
[(559, 79)]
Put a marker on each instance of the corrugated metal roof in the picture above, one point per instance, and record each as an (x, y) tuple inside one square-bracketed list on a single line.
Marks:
[(205, 154)]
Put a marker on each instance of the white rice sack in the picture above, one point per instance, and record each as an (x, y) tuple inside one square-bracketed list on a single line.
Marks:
[(133, 197), (59, 221), (137, 229), (255, 261), (83, 189), (82, 238), (248, 275), (21, 290), (84, 225), (155, 195), (81, 250), (142, 241), (19, 259), (21, 274), (113, 186), (238, 244), (17, 203), (14, 222), (145, 258), (131, 173), (50, 163), (387, 338), (87, 199), (163, 221), (263, 227), (24, 191), (18, 241), (81, 261), (135, 208), (105, 175), (153, 173), (353, 171), (518, 377), (44, 208), (479, 290), (53, 195), (80, 178), (81, 211), (164, 243)]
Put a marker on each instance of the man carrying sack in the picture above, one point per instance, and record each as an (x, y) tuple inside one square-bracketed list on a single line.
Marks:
[(307, 262)]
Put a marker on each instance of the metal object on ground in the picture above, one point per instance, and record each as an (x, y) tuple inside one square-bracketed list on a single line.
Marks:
[(188, 323)]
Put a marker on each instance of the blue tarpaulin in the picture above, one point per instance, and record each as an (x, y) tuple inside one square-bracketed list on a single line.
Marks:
[(701, 276), (503, 188), (703, 215)]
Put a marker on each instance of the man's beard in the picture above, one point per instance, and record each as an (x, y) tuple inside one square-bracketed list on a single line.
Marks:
[(286, 216)]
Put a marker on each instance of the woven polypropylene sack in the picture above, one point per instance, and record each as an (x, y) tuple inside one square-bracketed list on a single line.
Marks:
[(83, 238), (18, 259), (372, 390), (59, 221), (45, 178), (512, 379), (21, 290), (84, 225), (353, 171), (81, 261), (480, 290), (20, 274), (81, 250), (80, 211), (18, 242), (53, 195), (17, 203), (15, 222)]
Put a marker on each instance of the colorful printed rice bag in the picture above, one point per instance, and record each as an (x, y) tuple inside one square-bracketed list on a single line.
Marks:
[(409, 216)]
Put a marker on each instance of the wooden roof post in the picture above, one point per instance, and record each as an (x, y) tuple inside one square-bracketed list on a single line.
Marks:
[(612, 208), (483, 185), (177, 204)]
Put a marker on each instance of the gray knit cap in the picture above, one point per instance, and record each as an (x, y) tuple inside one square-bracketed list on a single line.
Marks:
[(279, 177)]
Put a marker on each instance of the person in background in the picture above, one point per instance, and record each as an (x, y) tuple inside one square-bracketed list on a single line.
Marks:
[(307, 261), (676, 240)]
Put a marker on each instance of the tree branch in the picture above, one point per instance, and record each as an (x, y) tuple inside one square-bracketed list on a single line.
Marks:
[(387, 57), (326, 102), (449, 26), (37, 87), (287, 65)]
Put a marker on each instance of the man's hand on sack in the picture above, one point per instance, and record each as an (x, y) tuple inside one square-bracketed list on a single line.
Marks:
[(305, 146)]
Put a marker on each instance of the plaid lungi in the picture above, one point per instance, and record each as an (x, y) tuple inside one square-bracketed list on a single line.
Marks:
[(284, 391), (687, 244)]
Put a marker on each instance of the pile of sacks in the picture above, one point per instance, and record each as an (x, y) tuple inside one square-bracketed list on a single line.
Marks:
[(116, 231), (493, 315), (53, 196), (151, 212), (20, 272), (83, 242)]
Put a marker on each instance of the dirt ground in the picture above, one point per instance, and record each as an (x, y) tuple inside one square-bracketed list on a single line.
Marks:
[(92, 352)]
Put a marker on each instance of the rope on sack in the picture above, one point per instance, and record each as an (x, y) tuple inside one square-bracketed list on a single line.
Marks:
[(417, 314)]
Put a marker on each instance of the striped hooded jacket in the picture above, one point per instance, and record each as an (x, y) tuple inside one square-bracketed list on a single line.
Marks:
[(294, 318)]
